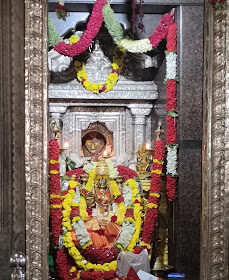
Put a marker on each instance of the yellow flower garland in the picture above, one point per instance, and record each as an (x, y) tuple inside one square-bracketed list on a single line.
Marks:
[(90, 182), (66, 222), (67, 238), (121, 206), (112, 78)]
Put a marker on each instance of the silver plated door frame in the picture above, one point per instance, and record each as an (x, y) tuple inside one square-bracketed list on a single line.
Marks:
[(214, 239), (36, 109), (215, 171)]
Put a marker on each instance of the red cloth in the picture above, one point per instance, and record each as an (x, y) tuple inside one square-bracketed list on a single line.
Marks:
[(132, 275)]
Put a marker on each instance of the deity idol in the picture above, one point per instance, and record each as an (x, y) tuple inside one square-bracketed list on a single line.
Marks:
[(93, 144), (95, 214)]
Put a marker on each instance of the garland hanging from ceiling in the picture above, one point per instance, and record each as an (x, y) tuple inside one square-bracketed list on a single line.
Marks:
[(103, 11), (171, 109), (136, 46), (92, 29)]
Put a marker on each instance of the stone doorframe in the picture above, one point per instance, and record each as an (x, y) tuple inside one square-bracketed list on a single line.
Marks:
[(215, 220)]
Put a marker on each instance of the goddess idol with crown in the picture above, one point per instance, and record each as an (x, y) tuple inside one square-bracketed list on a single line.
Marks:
[(96, 212)]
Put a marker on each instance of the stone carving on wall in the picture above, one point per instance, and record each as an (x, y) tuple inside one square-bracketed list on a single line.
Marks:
[(131, 85), (130, 125)]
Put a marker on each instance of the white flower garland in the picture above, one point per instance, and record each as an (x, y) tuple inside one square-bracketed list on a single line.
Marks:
[(89, 166), (171, 66), (136, 46), (127, 194), (128, 228), (172, 159), (76, 198), (127, 231), (81, 232), (113, 172)]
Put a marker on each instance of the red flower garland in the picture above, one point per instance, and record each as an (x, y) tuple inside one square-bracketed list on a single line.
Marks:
[(54, 183), (171, 108), (99, 256), (162, 30), (63, 265), (126, 172), (92, 29), (75, 172), (155, 187)]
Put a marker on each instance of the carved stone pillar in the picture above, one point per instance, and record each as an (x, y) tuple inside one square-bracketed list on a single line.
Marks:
[(139, 112), (57, 113)]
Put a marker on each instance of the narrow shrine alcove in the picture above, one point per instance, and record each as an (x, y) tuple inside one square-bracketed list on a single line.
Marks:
[(119, 125), (195, 232)]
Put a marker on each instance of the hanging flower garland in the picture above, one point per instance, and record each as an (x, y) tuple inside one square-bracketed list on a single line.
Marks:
[(92, 29), (136, 46), (154, 195), (55, 197), (112, 79), (218, 4), (61, 11), (171, 108), (102, 10)]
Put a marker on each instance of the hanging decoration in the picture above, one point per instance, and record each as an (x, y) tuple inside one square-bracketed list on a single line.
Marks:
[(136, 46), (61, 10), (154, 195), (102, 10), (171, 108), (218, 4), (92, 29), (133, 19), (55, 197), (141, 26), (112, 79)]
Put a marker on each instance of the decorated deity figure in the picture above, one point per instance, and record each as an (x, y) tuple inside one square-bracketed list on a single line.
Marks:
[(96, 212)]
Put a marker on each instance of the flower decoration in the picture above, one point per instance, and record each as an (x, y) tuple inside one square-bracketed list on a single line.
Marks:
[(77, 256), (154, 195), (61, 11), (112, 78), (136, 46), (218, 4), (92, 29), (126, 172), (102, 11), (171, 108)]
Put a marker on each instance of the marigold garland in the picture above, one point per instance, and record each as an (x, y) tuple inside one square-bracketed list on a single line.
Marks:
[(104, 269), (154, 195), (112, 78), (171, 108)]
